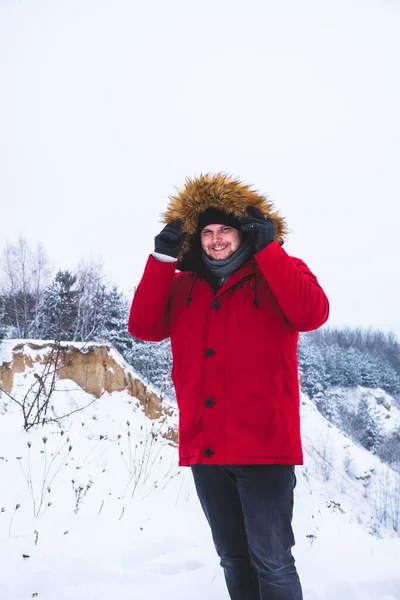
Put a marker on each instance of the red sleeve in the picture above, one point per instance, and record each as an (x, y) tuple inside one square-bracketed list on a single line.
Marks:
[(149, 315), (296, 289)]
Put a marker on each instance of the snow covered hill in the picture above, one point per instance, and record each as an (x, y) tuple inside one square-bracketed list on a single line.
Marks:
[(94, 506)]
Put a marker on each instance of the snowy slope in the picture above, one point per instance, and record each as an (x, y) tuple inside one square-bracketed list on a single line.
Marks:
[(386, 407), (122, 520)]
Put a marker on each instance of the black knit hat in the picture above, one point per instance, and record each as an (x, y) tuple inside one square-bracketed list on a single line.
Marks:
[(216, 216)]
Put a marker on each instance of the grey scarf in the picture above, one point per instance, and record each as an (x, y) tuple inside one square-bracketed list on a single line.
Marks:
[(222, 269)]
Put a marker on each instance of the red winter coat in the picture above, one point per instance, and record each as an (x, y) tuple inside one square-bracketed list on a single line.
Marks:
[(234, 365)]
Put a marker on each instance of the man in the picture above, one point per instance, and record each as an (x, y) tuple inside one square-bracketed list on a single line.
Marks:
[(233, 313)]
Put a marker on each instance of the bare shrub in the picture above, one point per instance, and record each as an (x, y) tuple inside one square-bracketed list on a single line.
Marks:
[(323, 448)]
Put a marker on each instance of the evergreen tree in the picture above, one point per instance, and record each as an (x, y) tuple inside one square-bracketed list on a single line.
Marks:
[(313, 366), (153, 362), (58, 312), (369, 425), (113, 322), (387, 378), (329, 404), (352, 368), (359, 357), (370, 376), (389, 449), (335, 362)]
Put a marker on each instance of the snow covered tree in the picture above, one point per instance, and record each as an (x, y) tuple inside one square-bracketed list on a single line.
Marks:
[(369, 425), (91, 292), (370, 376), (113, 322), (352, 368), (58, 312), (313, 367), (24, 273), (334, 364), (387, 378), (329, 404), (153, 361), (359, 357), (389, 449)]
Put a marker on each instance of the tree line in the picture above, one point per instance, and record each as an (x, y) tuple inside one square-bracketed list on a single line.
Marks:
[(333, 359), (79, 306), (72, 305), (349, 357)]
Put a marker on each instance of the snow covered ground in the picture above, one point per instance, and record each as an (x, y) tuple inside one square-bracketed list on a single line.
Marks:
[(97, 508)]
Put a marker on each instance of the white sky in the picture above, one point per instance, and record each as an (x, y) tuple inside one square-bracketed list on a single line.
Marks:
[(107, 105)]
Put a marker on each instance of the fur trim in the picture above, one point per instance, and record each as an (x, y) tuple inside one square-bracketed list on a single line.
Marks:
[(222, 192)]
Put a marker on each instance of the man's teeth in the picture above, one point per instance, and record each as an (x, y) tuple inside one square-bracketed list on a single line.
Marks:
[(222, 248)]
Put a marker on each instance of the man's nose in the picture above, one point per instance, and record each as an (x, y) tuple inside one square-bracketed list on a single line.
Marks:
[(216, 237)]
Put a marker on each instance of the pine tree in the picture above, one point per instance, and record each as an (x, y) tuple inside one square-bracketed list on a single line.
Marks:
[(359, 357), (314, 373), (387, 378), (153, 362), (369, 425), (352, 368), (329, 404), (58, 312), (113, 322), (334, 364), (370, 372)]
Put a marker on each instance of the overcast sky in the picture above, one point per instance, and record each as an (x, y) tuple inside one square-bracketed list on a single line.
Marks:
[(107, 105)]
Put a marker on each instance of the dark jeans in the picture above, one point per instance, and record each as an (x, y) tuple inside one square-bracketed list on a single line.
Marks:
[(249, 509)]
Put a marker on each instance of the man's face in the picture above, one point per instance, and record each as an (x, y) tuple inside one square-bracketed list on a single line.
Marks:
[(220, 241)]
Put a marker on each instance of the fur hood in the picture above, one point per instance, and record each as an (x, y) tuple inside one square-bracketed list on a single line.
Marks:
[(218, 191)]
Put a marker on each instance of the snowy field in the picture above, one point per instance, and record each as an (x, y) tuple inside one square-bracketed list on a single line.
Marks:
[(96, 508)]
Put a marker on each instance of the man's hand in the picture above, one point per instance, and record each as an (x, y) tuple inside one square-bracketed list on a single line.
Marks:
[(169, 240), (260, 228)]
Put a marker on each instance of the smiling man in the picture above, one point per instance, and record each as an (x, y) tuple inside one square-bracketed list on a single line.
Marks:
[(224, 248), (220, 241), (234, 313)]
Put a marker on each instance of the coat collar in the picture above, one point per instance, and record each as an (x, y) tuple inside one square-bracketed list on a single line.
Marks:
[(244, 271)]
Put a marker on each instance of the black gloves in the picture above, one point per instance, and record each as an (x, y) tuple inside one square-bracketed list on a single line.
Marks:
[(169, 240), (260, 228)]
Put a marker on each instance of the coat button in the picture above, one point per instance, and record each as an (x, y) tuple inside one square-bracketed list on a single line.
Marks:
[(208, 452), (209, 402), (215, 304), (210, 352)]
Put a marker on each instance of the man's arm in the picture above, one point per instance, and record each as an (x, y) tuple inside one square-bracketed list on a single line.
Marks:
[(149, 314), (296, 289)]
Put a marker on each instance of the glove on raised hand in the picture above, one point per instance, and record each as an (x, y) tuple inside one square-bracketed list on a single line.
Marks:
[(169, 240), (261, 228)]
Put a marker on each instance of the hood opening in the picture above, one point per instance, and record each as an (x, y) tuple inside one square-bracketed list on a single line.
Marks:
[(223, 193)]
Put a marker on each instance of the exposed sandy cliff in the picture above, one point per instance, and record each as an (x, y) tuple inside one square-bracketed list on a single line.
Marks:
[(96, 369)]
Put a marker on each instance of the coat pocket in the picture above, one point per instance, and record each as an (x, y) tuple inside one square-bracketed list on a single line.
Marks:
[(284, 377)]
